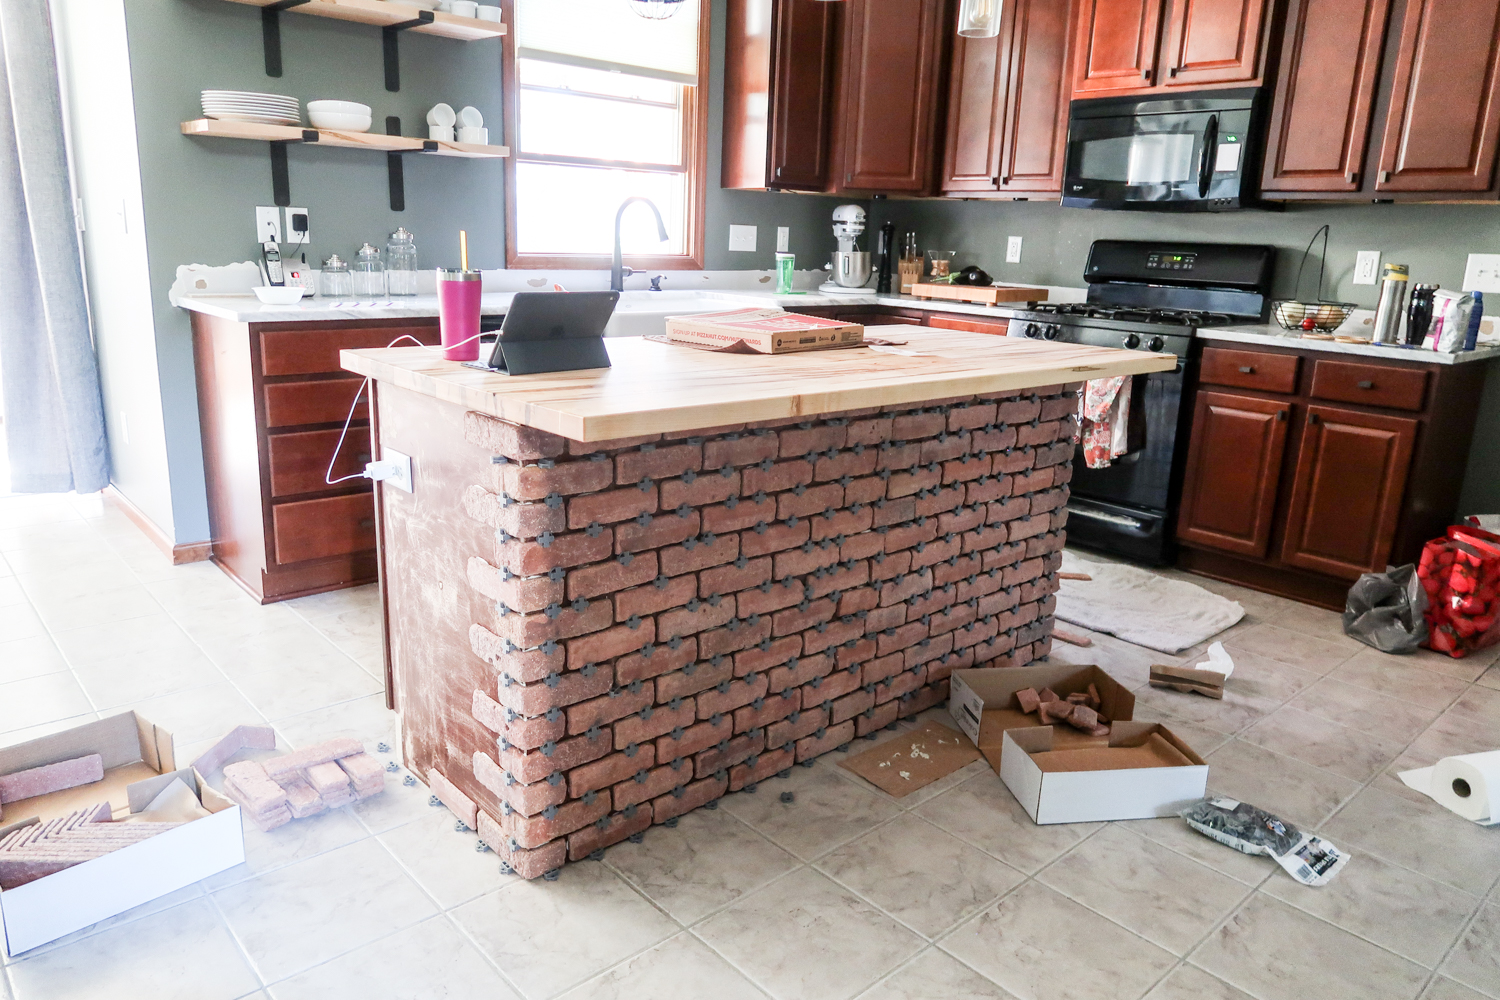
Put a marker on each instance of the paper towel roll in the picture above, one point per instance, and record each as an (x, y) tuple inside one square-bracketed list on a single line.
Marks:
[(1469, 785)]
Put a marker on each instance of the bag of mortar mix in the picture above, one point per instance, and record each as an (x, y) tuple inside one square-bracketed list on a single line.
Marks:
[(1308, 859)]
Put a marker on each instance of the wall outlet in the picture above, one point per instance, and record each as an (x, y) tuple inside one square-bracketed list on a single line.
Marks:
[(742, 238), (1482, 273), (1366, 267), (267, 223), (393, 469), (1013, 250), (298, 228), (783, 239)]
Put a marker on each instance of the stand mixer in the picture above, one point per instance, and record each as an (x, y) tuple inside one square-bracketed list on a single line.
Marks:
[(850, 267)]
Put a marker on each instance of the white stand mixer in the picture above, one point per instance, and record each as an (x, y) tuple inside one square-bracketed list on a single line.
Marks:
[(850, 267)]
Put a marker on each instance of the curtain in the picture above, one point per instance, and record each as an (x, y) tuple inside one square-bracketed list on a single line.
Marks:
[(54, 412)]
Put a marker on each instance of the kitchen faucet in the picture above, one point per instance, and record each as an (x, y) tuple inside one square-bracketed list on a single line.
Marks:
[(618, 272)]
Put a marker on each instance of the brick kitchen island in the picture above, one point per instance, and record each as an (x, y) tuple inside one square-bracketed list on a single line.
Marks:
[(616, 595)]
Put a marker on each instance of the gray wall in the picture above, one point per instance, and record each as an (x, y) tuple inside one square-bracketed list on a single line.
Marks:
[(1433, 239)]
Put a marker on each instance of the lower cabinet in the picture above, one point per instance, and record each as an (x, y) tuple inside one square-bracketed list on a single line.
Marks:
[(1233, 472)]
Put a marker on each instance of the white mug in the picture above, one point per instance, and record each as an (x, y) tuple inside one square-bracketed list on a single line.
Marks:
[(475, 134), (442, 133), (466, 8), (489, 13)]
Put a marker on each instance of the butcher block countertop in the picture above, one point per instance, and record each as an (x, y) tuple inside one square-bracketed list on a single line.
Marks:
[(657, 388)]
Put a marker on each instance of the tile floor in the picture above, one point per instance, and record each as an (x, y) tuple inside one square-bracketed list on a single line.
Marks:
[(949, 893)]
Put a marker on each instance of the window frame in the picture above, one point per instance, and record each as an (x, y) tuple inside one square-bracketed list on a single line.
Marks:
[(694, 154)]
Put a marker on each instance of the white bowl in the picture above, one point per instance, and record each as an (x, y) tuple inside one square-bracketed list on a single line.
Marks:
[(341, 123), (469, 117), (274, 295), (442, 114), (340, 107)]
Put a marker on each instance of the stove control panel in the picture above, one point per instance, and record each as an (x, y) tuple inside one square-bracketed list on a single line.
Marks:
[(1158, 260)]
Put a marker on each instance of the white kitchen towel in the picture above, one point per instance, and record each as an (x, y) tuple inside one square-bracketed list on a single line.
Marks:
[(1141, 607)]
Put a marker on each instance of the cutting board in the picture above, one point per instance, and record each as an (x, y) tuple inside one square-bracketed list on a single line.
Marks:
[(984, 294)]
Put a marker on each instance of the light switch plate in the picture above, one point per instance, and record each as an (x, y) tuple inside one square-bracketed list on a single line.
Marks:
[(1013, 250), (267, 223), (1482, 273), (1366, 267), (783, 239), (742, 238)]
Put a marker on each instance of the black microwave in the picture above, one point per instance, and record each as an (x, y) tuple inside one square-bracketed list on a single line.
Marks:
[(1188, 153)]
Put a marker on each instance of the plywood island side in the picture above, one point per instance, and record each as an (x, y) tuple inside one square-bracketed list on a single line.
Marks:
[(616, 595)]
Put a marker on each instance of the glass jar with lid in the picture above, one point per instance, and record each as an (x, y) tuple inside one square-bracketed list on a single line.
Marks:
[(369, 273), (401, 263), (336, 281)]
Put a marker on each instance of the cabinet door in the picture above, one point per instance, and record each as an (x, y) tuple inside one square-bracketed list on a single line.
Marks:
[(892, 60), (1440, 132), (1351, 474), (976, 112), (1116, 45), (1234, 469), (803, 57), (1214, 41), (1034, 140), (1320, 121)]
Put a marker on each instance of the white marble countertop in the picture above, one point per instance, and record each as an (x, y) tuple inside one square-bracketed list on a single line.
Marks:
[(1273, 335)]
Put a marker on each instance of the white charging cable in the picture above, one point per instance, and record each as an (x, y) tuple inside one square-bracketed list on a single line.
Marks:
[(377, 471)]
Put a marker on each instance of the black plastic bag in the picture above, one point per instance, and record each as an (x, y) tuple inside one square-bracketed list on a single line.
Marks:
[(1384, 610)]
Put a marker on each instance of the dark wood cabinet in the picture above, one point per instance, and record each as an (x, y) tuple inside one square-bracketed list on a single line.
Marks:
[(1212, 42), (1233, 472), (1117, 46), (1008, 104), (1156, 46)]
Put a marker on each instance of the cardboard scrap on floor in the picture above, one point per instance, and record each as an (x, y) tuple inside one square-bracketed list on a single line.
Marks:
[(1206, 678), (913, 760)]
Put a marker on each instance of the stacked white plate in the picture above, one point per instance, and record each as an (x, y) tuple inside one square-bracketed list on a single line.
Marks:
[(247, 106)]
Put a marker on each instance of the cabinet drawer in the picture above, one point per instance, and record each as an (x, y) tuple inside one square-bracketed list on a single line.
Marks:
[(998, 327), (1250, 369), (1372, 385), (299, 462), (317, 529), (313, 352), (323, 401)]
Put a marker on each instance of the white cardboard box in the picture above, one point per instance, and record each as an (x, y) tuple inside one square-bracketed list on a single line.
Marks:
[(1079, 793), (138, 762), (983, 701)]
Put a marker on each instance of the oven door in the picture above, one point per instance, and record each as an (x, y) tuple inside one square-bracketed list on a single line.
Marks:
[(1164, 156)]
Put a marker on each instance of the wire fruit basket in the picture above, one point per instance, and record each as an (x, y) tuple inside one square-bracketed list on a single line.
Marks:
[(1321, 316)]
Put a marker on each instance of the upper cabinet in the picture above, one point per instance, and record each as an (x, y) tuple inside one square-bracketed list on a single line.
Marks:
[(1008, 104), (1386, 100), (1141, 47)]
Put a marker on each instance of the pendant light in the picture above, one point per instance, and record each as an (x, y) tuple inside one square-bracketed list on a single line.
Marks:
[(979, 18), (655, 10)]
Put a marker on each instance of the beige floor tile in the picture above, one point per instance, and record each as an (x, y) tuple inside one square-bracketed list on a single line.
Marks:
[(443, 861), (1161, 895), (922, 876), (1443, 988), (549, 936), (827, 811), (16, 736), (336, 602), (184, 953), (1315, 740), (983, 812), (1040, 945), (680, 968), (88, 645), (1287, 787), (1276, 952), (296, 917), (1294, 647), (33, 657), (147, 675), (1477, 711), (200, 713), (805, 936), (707, 862), (432, 959), (1258, 687), (1397, 909), (1400, 678), (292, 843), (40, 700), (294, 686), (1491, 679), (11, 592), (1475, 960), (1173, 832), (935, 975), (366, 719), (1320, 623), (20, 621), (1188, 982), (1364, 710), (1415, 832), (184, 895)]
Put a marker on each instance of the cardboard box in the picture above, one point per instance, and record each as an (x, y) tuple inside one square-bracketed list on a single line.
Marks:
[(765, 331), (138, 763), (983, 702), (1144, 772)]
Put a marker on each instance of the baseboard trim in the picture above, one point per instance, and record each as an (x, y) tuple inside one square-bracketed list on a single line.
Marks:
[(185, 552)]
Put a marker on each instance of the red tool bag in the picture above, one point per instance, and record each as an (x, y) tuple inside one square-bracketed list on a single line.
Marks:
[(1461, 574)]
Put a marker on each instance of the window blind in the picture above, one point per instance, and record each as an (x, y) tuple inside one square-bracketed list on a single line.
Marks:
[(608, 35)]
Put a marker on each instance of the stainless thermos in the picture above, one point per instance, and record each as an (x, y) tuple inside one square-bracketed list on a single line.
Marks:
[(1392, 304)]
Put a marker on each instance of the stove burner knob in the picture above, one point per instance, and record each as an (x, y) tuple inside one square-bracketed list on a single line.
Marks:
[(1157, 343), (1033, 330), (1052, 331), (1131, 341)]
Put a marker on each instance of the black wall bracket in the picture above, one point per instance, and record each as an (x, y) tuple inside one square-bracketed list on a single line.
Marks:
[(396, 169), (281, 185), (270, 30), (388, 36)]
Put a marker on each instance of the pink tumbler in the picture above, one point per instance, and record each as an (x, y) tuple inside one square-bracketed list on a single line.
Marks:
[(458, 313)]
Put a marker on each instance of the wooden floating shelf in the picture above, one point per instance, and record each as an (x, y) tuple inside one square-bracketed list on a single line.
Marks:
[(225, 129), (383, 13)]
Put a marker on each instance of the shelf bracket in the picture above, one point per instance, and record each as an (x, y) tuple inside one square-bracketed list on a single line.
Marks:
[(281, 185), (270, 31), (395, 169), (389, 35)]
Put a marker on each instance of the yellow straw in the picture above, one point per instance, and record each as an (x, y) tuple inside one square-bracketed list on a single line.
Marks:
[(463, 249)]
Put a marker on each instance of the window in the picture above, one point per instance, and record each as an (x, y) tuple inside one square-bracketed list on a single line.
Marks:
[(604, 105)]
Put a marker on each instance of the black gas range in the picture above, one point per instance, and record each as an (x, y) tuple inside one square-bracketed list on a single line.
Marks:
[(1149, 296)]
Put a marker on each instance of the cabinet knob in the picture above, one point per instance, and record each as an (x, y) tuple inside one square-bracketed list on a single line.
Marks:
[(778, 171), (1352, 177), (1172, 71), (1247, 369), (1313, 418), (1365, 385), (1281, 415), (848, 178), (1385, 176), (1146, 73)]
